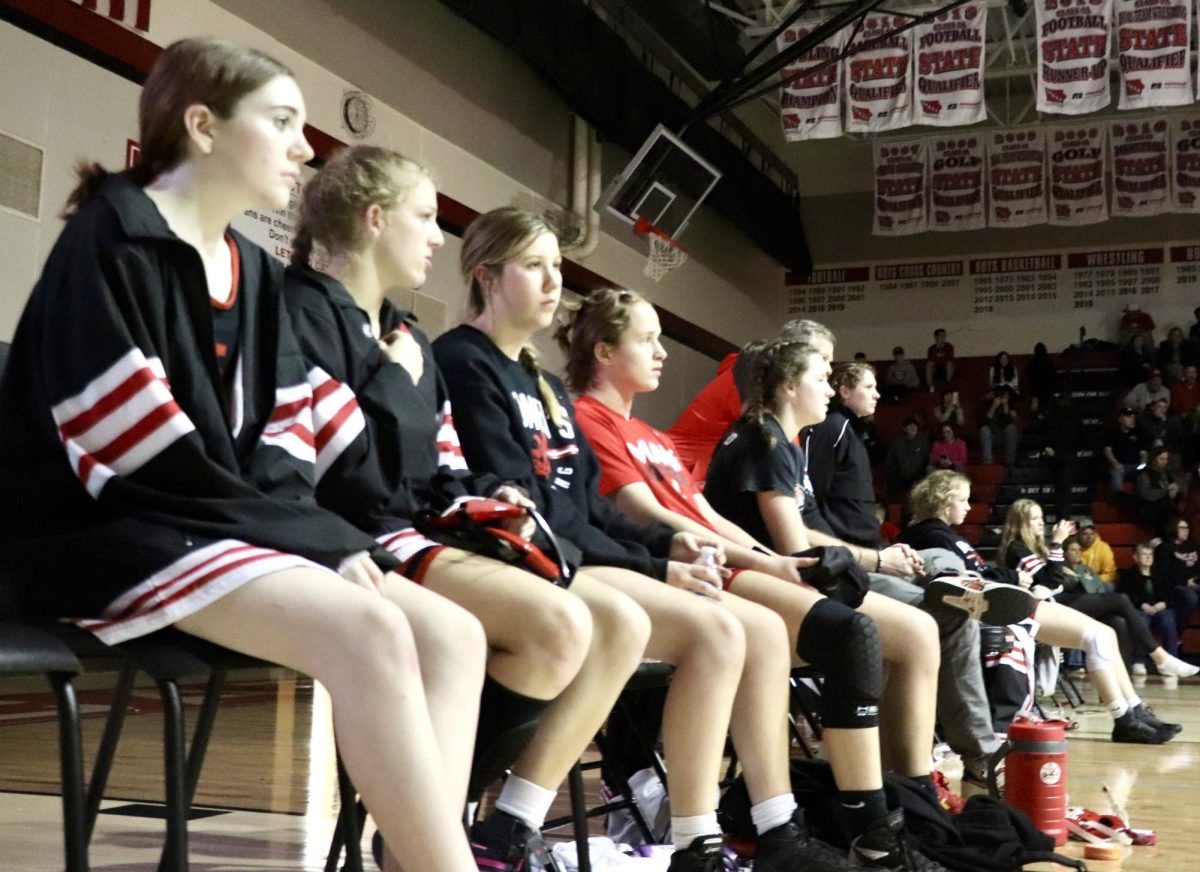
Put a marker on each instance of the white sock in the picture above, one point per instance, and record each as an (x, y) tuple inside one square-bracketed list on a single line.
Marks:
[(1133, 701), (1117, 708), (526, 801), (685, 830), (773, 812)]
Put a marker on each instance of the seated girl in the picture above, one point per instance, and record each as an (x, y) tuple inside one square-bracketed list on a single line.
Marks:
[(389, 448), (158, 442), (939, 503), (614, 353), (730, 655)]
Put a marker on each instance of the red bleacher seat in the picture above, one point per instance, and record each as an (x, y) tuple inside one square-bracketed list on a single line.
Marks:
[(979, 514), (992, 474), (1123, 555), (1123, 534), (971, 532)]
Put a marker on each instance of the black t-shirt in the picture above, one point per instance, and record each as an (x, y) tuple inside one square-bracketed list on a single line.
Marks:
[(1126, 445), (743, 466)]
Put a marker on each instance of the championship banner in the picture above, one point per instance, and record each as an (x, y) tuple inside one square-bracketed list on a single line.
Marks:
[(131, 13), (1154, 50), (879, 78), (949, 67), (1140, 166), (956, 183), (1185, 163), (900, 187), (1073, 41), (1016, 177), (1076, 157), (811, 106)]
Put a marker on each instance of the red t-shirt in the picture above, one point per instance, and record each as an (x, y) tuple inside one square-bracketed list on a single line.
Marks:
[(702, 424), (632, 451), (940, 353)]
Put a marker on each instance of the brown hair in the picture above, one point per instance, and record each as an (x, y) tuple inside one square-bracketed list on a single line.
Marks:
[(204, 70), (804, 330), (601, 316), (334, 200), (776, 363), (490, 241), (1016, 528), (849, 375), (930, 495)]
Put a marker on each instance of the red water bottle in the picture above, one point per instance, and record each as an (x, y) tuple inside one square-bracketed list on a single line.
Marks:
[(1035, 775)]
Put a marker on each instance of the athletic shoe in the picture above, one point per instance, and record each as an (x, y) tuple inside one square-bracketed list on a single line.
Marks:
[(789, 847), (1129, 729), (1147, 716), (986, 601), (1177, 668), (885, 846), (1139, 669), (705, 854), (501, 843)]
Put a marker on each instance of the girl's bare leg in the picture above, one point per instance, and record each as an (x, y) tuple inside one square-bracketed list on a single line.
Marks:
[(367, 660), (1063, 626)]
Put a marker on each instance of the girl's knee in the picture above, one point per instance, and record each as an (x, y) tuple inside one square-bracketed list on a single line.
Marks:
[(377, 640), (560, 634), (622, 624)]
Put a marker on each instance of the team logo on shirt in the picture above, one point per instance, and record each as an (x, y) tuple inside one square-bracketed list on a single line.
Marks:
[(659, 461)]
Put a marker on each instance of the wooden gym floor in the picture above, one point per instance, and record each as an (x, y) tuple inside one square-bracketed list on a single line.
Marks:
[(268, 784)]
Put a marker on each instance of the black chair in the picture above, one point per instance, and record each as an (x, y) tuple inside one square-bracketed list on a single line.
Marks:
[(25, 650)]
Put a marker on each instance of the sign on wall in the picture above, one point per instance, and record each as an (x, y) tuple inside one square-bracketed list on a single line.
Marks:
[(901, 188), (1141, 153), (949, 67), (812, 104), (131, 13), (879, 76), (1072, 69), (1154, 52)]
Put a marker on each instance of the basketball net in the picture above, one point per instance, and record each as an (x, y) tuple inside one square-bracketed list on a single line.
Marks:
[(665, 254)]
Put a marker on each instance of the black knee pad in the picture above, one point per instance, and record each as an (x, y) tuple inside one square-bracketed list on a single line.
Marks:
[(844, 644)]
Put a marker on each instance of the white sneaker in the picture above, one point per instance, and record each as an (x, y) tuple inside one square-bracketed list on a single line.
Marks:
[(987, 601), (1174, 667), (1170, 682), (1139, 669)]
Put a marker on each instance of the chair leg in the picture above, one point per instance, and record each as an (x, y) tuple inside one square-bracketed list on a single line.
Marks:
[(108, 744), (175, 852), (70, 746), (203, 732), (617, 780), (579, 815), (351, 820)]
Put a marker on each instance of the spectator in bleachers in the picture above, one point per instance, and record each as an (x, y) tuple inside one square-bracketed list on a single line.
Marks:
[(907, 457), (1123, 448), (997, 423), (860, 357), (1144, 393), (1003, 373), (1085, 576), (1174, 353), (1135, 362), (950, 411), (1064, 435), (1185, 393), (1156, 491), (1152, 421), (1135, 322), (939, 361), (949, 451), (1040, 374), (901, 377), (1097, 553), (1177, 562), (1152, 597)]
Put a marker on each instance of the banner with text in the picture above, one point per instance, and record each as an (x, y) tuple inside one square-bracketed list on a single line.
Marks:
[(1077, 190), (879, 76), (811, 106), (1016, 173), (1140, 156), (956, 183), (901, 188), (949, 75), (1185, 163), (1154, 47), (1073, 48)]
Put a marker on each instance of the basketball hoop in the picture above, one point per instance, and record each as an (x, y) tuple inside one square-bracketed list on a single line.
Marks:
[(665, 254)]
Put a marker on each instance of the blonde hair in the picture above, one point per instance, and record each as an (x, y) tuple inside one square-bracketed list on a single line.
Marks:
[(601, 316), (804, 330), (334, 200), (1016, 528), (932, 493), (489, 242)]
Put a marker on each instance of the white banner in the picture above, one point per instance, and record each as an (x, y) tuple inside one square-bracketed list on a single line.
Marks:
[(1185, 163), (879, 79), (811, 106), (956, 183), (1140, 166), (949, 67), (1073, 41), (1154, 47), (1016, 162), (901, 190), (1076, 157)]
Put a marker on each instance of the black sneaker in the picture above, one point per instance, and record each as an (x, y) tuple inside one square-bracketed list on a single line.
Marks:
[(1130, 729), (1147, 716), (504, 844), (790, 848), (705, 854), (885, 846)]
